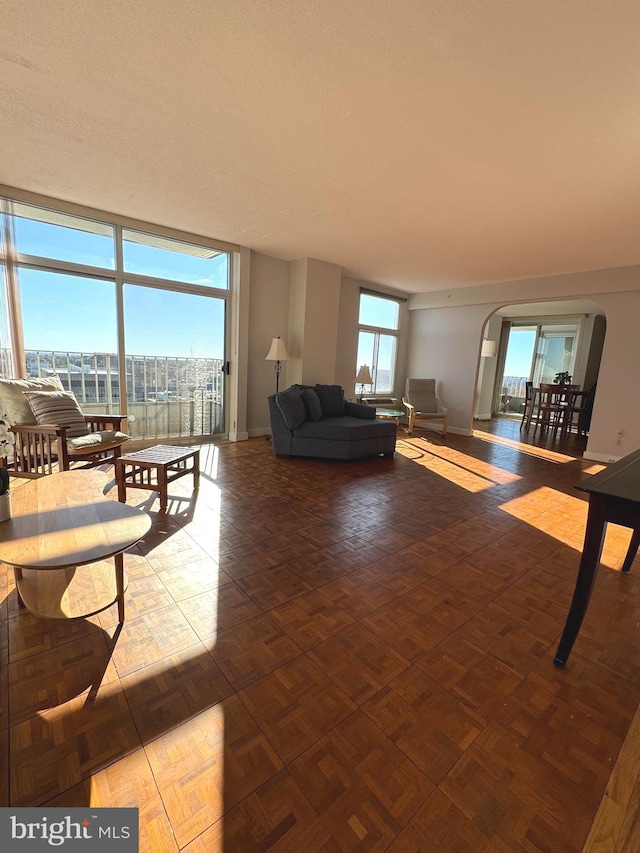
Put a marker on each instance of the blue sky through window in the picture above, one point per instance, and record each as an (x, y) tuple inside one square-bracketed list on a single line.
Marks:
[(520, 352), (72, 313)]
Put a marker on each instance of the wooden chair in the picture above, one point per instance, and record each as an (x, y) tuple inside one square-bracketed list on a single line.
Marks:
[(52, 433), (554, 404), (529, 400), (39, 448), (422, 405), (582, 406)]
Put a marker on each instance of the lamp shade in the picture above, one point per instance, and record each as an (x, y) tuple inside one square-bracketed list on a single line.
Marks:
[(278, 351), (489, 349), (364, 375)]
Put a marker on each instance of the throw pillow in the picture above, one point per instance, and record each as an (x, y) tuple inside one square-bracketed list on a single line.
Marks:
[(291, 408), (60, 408), (12, 394), (331, 400), (312, 404)]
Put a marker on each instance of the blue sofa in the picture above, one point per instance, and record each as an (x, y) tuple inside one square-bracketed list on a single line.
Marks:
[(317, 422)]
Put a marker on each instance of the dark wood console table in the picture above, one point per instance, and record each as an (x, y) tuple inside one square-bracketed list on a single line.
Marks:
[(614, 496)]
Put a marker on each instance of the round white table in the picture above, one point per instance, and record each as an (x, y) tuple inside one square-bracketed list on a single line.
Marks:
[(63, 527)]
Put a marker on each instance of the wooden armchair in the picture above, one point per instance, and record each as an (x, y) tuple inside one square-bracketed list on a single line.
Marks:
[(50, 429), (39, 447), (422, 405)]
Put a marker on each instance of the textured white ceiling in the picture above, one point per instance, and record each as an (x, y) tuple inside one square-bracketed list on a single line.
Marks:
[(419, 143)]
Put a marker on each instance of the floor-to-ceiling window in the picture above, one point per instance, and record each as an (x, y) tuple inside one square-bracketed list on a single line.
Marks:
[(174, 380), (379, 323), (128, 319)]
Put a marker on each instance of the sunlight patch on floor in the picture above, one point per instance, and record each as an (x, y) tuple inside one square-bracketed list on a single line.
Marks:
[(564, 518), (465, 471), (209, 461), (531, 450), (594, 469)]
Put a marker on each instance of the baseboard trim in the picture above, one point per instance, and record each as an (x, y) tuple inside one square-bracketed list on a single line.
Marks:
[(238, 436), (600, 457), (459, 431)]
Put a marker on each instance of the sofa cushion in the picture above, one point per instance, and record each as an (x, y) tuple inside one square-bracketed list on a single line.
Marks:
[(357, 410), (60, 408), (291, 407), (93, 441), (12, 393), (312, 404), (345, 429), (331, 400), (299, 388)]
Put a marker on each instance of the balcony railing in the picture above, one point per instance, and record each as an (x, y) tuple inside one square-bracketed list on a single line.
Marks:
[(167, 397), (514, 395)]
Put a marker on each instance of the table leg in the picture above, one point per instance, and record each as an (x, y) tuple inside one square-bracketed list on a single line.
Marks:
[(163, 487), (633, 550), (593, 541), (17, 574), (119, 564), (196, 470), (120, 480)]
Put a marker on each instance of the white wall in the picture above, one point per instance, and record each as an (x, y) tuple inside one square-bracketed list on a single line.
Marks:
[(347, 351), (322, 306), (314, 301), (487, 371), (617, 402), (444, 341), (296, 314), (268, 318)]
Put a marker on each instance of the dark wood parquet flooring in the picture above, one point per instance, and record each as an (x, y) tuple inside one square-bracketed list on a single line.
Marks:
[(326, 656)]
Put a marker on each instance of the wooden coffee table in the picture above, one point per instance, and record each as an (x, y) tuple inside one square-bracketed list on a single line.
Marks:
[(154, 468), (61, 524)]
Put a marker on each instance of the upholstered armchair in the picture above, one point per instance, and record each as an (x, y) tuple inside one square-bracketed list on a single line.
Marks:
[(422, 405), (50, 429)]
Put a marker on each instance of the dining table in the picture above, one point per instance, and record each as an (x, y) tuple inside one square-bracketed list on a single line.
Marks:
[(551, 406), (614, 497)]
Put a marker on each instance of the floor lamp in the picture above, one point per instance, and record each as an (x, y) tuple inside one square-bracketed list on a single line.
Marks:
[(278, 353)]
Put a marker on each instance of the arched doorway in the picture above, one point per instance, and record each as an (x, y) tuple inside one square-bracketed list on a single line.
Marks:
[(535, 342)]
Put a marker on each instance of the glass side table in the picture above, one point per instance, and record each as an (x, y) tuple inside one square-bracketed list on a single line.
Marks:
[(390, 415)]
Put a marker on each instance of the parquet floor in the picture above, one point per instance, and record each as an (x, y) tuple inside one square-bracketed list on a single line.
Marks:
[(326, 656)]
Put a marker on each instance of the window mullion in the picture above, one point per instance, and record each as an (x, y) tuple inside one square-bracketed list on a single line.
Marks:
[(122, 357), (376, 351), (33, 262)]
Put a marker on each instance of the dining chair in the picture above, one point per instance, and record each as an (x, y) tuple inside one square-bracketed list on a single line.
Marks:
[(529, 398), (554, 405), (582, 406)]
